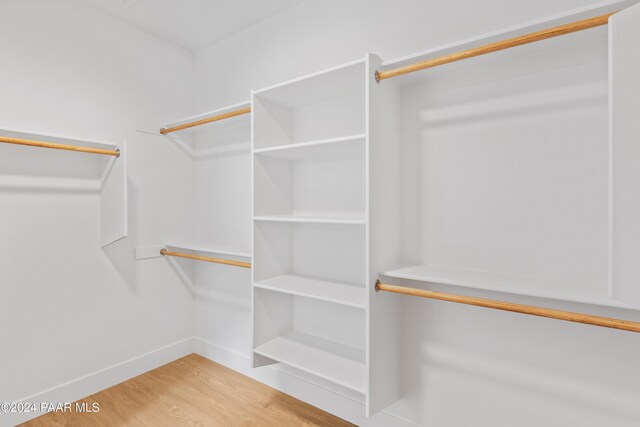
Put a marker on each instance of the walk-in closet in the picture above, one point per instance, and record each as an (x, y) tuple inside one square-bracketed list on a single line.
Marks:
[(291, 212)]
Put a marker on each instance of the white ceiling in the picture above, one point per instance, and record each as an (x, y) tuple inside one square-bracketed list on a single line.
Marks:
[(193, 24)]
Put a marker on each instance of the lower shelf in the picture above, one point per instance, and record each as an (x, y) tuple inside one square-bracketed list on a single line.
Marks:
[(543, 287), (337, 292), (337, 363)]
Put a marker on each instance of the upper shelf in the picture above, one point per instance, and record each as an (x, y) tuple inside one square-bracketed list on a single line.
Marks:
[(570, 28), (36, 168), (318, 88), (229, 132), (198, 249), (59, 168), (327, 105)]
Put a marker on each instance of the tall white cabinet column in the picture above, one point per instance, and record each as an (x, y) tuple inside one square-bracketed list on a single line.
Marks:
[(310, 225), (326, 221)]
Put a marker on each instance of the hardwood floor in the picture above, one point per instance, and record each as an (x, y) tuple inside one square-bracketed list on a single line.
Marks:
[(192, 391)]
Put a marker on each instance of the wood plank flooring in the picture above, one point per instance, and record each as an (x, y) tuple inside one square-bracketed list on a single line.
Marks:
[(192, 391)]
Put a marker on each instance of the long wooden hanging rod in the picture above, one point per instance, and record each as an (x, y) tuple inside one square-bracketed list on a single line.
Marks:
[(206, 258), (31, 143), (572, 27), (228, 115), (605, 322)]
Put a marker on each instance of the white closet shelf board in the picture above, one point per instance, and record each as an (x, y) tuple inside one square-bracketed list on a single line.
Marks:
[(344, 220), (349, 294), (199, 249), (347, 147), (317, 88), (26, 168), (334, 362), (507, 33), (586, 293), (221, 137)]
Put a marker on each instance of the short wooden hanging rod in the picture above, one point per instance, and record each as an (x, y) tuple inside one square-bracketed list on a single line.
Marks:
[(228, 115), (605, 322), (205, 258), (572, 27), (31, 143)]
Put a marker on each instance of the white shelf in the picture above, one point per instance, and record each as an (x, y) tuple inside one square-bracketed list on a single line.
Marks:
[(351, 146), (344, 220), (37, 169), (37, 162), (208, 251), (208, 114), (336, 292), (219, 138), (504, 34), (335, 362), (583, 292), (317, 88)]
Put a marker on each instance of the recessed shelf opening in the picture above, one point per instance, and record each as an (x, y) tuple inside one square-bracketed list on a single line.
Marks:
[(328, 105), (296, 331), (324, 180)]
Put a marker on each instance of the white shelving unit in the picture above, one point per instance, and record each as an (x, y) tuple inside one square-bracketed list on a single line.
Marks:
[(310, 227), (36, 169), (457, 175)]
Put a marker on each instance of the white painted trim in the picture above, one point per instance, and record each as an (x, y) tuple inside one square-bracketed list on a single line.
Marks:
[(97, 381)]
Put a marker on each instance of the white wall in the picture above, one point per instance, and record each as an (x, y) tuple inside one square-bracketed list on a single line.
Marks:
[(67, 308), (462, 366)]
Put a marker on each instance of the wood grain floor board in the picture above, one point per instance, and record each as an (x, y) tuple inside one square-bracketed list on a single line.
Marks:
[(195, 392)]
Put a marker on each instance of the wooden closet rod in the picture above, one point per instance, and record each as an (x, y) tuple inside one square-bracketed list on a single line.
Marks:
[(228, 115), (572, 27), (588, 319), (31, 143), (205, 258)]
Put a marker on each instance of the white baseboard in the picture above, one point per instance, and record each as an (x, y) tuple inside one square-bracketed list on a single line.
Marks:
[(280, 379), (102, 379), (323, 398)]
